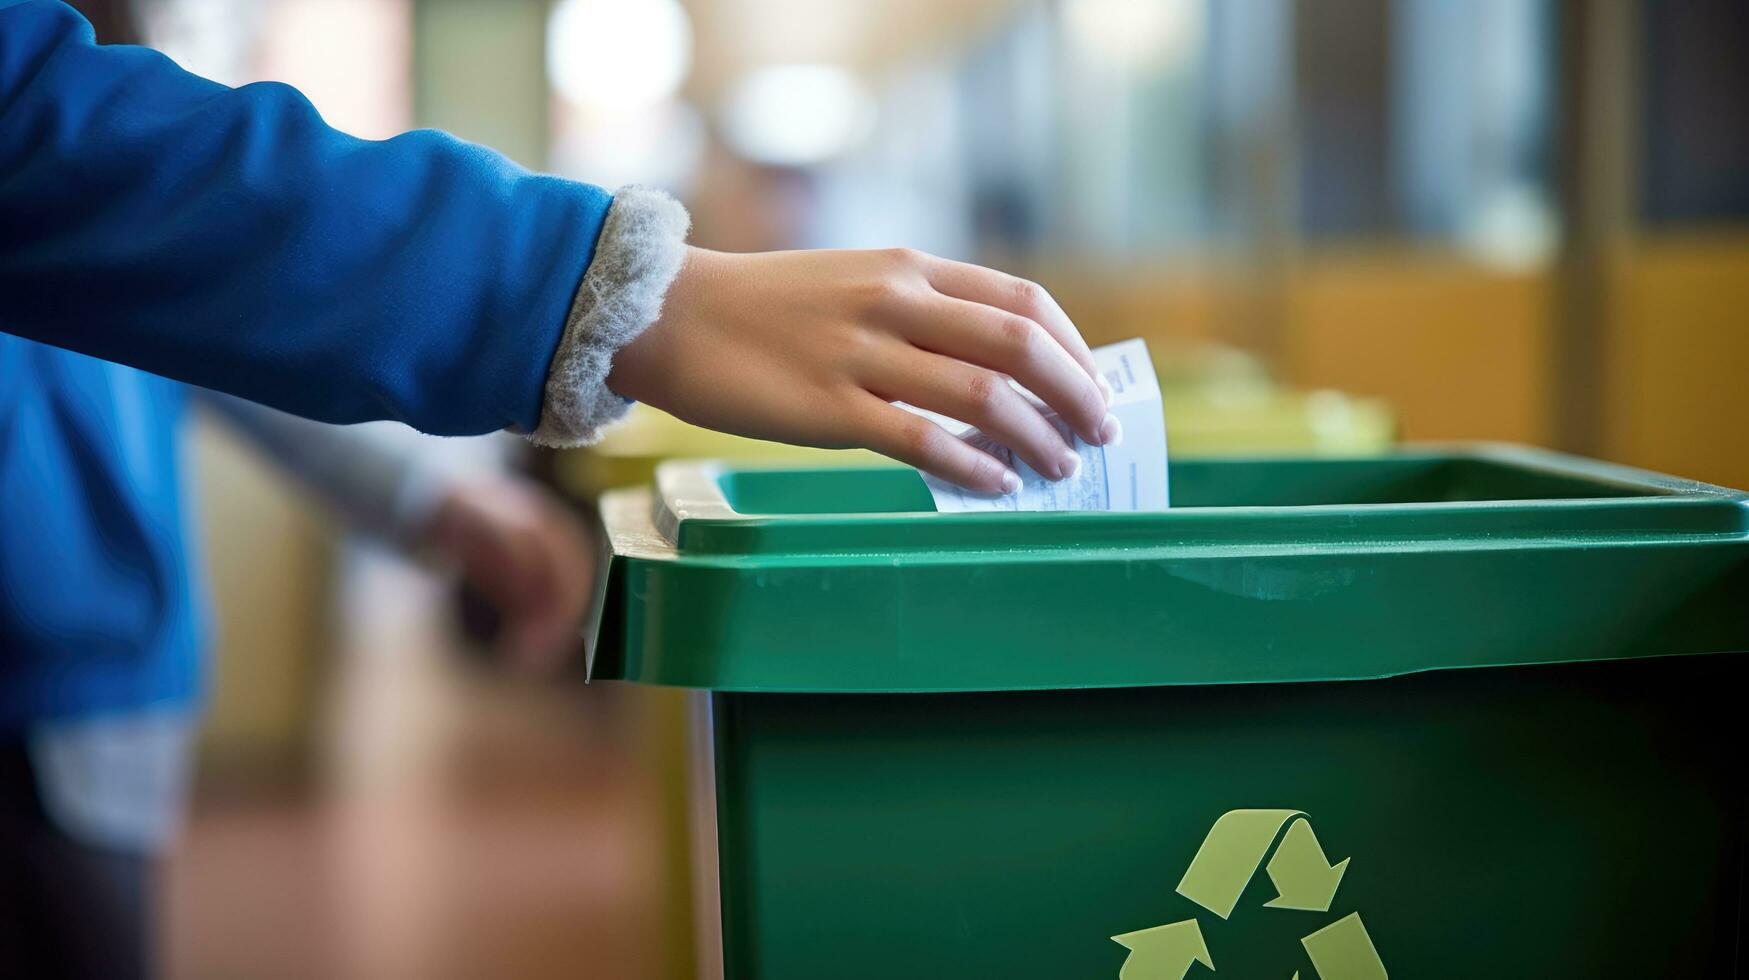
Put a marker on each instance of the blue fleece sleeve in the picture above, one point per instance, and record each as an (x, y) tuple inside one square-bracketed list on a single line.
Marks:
[(229, 238)]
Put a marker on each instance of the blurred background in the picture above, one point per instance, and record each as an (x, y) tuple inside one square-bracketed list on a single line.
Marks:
[(1338, 222)]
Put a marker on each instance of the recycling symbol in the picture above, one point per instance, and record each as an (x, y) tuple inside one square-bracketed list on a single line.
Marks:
[(1304, 879)]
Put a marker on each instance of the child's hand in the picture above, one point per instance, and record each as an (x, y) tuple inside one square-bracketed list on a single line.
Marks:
[(523, 551), (810, 348)]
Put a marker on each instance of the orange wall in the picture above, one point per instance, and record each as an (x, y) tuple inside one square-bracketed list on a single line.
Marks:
[(1677, 383), (1185, 303), (1461, 351), (1465, 351)]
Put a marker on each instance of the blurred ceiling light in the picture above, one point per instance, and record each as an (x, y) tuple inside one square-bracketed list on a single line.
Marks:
[(661, 147), (796, 115), (1136, 34), (1513, 227), (618, 57)]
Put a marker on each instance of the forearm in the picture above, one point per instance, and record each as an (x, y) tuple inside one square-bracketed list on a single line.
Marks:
[(230, 239)]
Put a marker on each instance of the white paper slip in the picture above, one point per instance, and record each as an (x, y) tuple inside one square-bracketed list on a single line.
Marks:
[(1130, 475)]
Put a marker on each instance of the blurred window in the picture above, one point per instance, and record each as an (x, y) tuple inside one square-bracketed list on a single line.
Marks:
[(1342, 94), (1427, 119), (1085, 127), (1125, 126), (1694, 133)]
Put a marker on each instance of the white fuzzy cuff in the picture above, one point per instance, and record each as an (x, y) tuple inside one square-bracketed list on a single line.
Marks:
[(642, 244)]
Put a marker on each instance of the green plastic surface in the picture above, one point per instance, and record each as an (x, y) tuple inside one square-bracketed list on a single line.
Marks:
[(1566, 822), (1016, 745), (1269, 570)]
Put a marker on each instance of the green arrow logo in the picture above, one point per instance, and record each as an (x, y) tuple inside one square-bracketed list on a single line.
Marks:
[(1163, 952), (1343, 951), (1229, 856), (1303, 877), (1224, 865)]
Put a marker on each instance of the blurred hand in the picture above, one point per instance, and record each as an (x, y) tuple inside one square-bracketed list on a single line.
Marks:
[(812, 347), (528, 555)]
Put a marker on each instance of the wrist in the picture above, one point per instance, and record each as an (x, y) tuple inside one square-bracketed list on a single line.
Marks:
[(637, 370), (637, 257)]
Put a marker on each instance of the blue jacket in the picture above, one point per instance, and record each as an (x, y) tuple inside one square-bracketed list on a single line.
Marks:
[(225, 238)]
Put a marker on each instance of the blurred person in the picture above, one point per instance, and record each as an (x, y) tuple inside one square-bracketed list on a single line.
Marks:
[(88, 804), (159, 230), (512, 542)]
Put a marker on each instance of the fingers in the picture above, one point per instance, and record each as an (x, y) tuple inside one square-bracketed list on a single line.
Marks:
[(912, 439), (547, 620), (1023, 297), (1015, 345), (979, 397), (526, 556)]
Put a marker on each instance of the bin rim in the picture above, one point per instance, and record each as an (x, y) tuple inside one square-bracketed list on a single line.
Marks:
[(699, 595)]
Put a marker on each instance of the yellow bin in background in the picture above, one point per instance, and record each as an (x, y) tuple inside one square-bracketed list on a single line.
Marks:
[(628, 454), (1217, 401)]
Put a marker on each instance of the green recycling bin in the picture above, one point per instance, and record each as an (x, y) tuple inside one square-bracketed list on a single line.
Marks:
[(1219, 401), (1466, 712)]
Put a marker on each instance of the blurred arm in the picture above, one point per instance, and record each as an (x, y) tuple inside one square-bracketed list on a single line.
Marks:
[(382, 479), (519, 547)]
